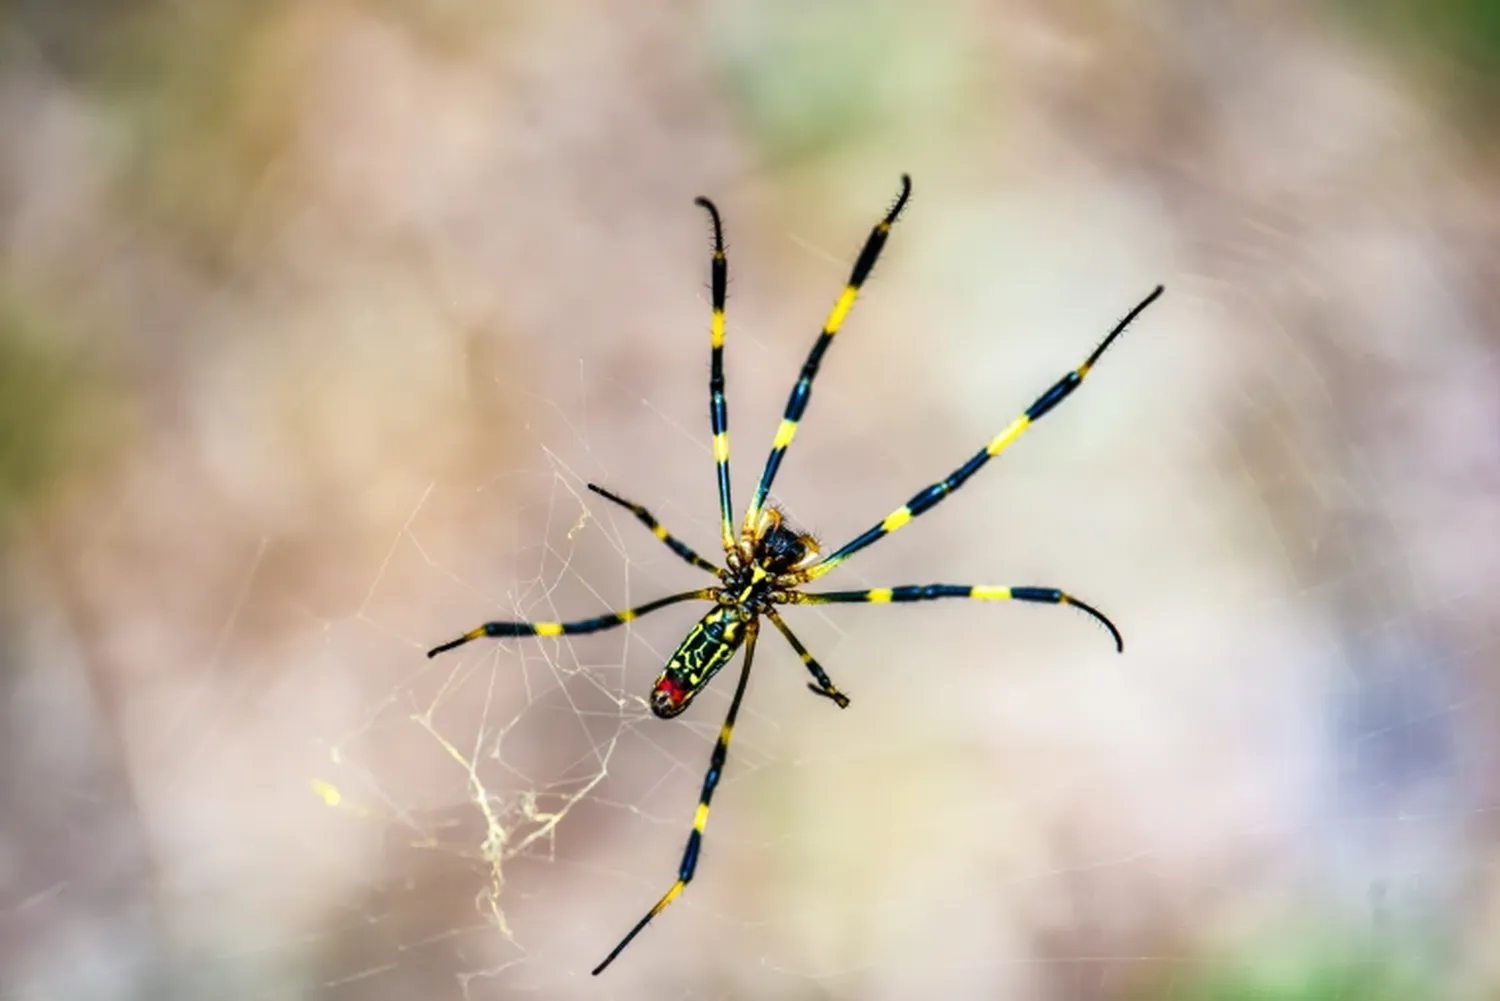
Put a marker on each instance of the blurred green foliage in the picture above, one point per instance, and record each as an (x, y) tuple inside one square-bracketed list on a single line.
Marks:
[(55, 415), (812, 78), (1306, 962), (1455, 44)]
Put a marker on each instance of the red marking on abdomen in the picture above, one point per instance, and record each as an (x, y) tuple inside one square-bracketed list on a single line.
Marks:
[(671, 689)]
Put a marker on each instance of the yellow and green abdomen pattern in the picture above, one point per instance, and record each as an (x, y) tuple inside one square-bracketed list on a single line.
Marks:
[(710, 645)]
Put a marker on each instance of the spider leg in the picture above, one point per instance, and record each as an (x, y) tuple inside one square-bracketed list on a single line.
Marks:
[(797, 403), (710, 780), (718, 413), (931, 592), (929, 497), (824, 686), (673, 543), (593, 625)]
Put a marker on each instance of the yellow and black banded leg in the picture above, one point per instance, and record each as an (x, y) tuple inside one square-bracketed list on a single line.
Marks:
[(700, 820), (717, 410), (930, 497), (824, 686), (797, 403), (673, 543), (598, 622), (931, 592)]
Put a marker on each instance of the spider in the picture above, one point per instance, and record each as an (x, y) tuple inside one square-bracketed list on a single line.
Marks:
[(767, 561)]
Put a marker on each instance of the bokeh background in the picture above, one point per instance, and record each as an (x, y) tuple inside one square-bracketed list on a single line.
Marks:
[(316, 319)]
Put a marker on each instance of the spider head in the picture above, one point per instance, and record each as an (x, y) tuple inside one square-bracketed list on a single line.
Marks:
[(780, 549)]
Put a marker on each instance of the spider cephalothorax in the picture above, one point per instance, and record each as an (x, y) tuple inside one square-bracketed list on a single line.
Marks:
[(780, 550), (767, 563)]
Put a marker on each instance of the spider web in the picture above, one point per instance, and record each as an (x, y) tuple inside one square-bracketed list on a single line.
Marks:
[(237, 775)]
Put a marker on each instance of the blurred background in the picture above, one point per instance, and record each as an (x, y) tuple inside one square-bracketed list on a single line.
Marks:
[(316, 319)]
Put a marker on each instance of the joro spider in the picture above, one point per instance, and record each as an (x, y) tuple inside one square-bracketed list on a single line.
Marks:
[(766, 563)]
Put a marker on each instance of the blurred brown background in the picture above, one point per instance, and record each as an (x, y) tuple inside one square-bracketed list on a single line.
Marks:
[(316, 318)]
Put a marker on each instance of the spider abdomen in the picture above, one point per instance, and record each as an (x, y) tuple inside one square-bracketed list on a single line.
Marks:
[(708, 646)]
